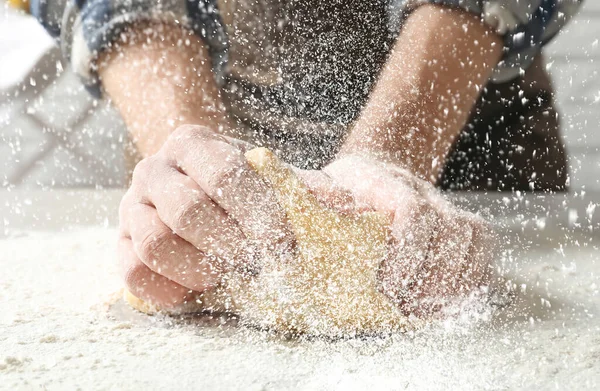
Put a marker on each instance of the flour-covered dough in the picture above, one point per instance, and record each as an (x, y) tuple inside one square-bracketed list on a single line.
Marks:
[(330, 286)]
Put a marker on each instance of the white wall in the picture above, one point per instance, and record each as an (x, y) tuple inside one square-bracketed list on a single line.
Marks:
[(53, 134), (574, 61)]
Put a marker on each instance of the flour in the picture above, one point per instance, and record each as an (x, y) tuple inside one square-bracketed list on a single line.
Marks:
[(329, 286), (58, 331)]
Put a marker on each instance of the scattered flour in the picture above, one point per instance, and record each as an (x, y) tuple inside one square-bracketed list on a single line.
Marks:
[(57, 331)]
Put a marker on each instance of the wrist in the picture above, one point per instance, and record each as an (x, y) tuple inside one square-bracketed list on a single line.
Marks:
[(390, 146), (362, 164)]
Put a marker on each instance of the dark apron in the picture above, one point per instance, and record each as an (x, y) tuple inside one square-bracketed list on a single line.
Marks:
[(299, 72), (512, 140)]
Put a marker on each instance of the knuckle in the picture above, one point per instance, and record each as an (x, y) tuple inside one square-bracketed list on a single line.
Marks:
[(187, 215), (143, 169), (148, 176), (134, 276), (154, 246), (343, 197), (226, 177)]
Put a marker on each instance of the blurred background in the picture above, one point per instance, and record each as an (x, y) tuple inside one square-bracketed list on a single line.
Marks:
[(53, 134)]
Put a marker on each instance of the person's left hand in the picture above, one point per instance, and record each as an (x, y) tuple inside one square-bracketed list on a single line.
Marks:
[(436, 252)]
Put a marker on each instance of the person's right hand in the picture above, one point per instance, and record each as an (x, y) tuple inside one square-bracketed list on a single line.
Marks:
[(195, 210)]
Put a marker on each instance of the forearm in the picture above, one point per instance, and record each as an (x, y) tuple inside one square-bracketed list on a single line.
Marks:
[(427, 89), (159, 78)]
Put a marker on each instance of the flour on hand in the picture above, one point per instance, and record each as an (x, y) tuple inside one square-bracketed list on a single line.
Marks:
[(330, 286)]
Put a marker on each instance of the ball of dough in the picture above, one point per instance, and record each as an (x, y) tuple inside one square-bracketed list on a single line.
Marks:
[(330, 286)]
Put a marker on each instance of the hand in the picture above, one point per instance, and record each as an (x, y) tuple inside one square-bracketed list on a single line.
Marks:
[(194, 211), (437, 252)]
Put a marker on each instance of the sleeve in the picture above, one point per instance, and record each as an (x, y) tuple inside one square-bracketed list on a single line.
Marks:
[(84, 28), (525, 25)]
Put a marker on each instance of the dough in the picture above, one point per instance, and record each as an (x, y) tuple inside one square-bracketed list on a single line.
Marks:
[(330, 287)]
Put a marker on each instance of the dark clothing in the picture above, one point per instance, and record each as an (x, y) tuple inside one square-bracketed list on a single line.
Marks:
[(296, 73), (512, 140)]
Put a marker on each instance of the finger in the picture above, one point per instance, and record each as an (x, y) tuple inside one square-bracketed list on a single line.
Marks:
[(188, 211), (169, 255), (448, 271), (464, 246), (481, 253), (412, 231), (448, 258), (221, 170), (146, 284)]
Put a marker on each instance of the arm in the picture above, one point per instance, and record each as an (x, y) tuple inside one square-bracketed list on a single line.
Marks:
[(417, 108), (150, 57), (426, 91), (159, 78)]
